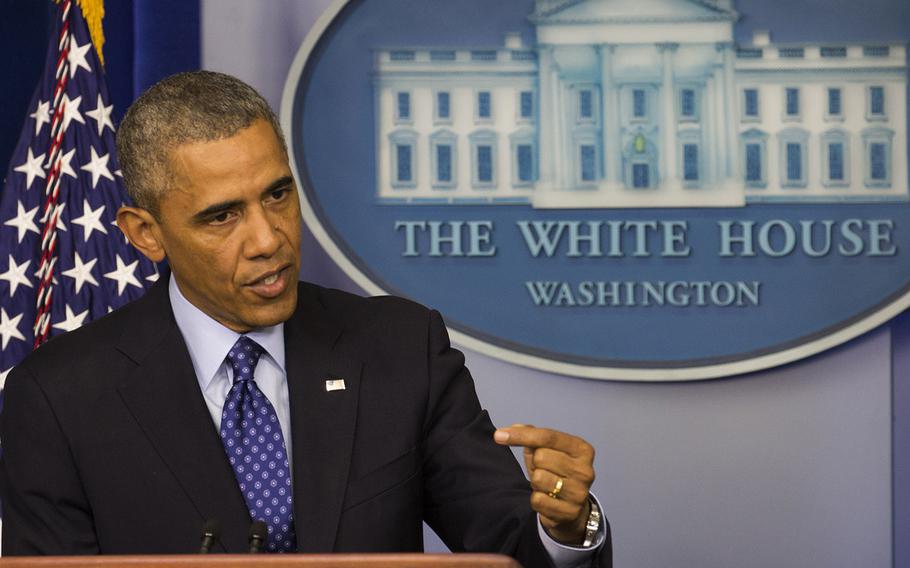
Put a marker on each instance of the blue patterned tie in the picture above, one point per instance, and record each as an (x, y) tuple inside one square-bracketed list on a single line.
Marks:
[(255, 446)]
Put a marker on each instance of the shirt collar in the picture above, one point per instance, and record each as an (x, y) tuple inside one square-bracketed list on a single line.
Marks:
[(209, 342)]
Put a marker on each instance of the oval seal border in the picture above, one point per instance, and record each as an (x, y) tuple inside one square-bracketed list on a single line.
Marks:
[(811, 345)]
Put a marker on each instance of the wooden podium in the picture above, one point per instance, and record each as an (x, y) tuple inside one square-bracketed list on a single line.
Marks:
[(267, 561)]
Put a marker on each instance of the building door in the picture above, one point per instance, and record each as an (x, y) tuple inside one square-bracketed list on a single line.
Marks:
[(640, 177)]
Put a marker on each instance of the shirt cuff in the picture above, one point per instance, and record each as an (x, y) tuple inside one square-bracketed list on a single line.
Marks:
[(564, 556)]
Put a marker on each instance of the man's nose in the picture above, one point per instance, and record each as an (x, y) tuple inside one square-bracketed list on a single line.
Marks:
[(263, 237)]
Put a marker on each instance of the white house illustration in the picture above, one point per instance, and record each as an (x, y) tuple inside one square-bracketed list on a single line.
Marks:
[(641, 103)]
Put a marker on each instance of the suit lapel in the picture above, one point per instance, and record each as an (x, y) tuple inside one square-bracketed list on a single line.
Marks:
[(322, 421), (165, 399)]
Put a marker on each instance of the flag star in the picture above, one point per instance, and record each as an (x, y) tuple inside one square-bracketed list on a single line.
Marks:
[(60, 225), (24, 221), (76, 56), (90, 220), (3, 378), (152, 277), (118, 173), (9, 328), (72, 321), (31, 168), (65, 164), (71, 110), (98, 166), (38, 276), (81, 272), (124, 275), (102, 115), (15, 275), (42, 115)]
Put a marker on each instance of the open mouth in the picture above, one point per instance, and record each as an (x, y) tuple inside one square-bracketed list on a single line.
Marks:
[(272, 284)]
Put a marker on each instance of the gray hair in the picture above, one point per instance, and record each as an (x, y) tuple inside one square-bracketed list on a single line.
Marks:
[(197, 106)]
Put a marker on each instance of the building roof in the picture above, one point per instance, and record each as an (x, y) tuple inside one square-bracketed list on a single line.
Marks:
[(579, 11)]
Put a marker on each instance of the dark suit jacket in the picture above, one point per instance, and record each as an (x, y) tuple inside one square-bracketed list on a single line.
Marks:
[(108, 446)]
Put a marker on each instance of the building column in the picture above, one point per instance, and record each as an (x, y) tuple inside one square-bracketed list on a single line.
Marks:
[(732, 113), (710, 132), (546, 154), (610, 134), (669, 124), (720, 127), (561, 165)]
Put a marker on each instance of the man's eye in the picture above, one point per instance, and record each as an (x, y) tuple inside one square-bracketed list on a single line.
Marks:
[(278, 194), (220, 218)]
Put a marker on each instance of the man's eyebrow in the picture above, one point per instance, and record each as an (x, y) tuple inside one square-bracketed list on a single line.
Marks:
[(278, 184), (216, 209)]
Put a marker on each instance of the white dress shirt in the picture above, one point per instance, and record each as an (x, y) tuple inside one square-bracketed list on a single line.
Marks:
[(209, 342)]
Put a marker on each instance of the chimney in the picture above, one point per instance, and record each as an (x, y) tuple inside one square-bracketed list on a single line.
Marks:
[(761, 38), (513, 40)]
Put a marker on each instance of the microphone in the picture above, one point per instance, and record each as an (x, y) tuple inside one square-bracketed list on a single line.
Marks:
[(211, 532), (259, 535)]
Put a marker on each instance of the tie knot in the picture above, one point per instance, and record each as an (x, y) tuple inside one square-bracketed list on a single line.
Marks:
[(243, 357)]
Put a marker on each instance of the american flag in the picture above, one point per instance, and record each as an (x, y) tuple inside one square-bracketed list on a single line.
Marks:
[(63, 261)]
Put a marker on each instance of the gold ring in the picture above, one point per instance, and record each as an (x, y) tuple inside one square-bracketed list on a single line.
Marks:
[(556, 490)]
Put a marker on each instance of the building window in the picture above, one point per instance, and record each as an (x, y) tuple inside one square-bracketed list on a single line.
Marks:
[(688, 104), (639, 104), (836, 158), (402, 55), (484, 105), (690, 162), (877, 143), (753, 163), (876, 51), (483, 156), (443, 155), (405, 156), (878, 170), (403, 106), (524, 166), (403, 150), (750, 104), (794, 162), (834, 52), (485, 163), (587, 162), (526, 105), (876, 106), (835, 103), (442, 55), (443, 163), (403, 153), (791, 52), (524, 158), (749, 53), (755, 144), (794, 158), (791, 106), (585, 105), (836, 161), (443, 106)]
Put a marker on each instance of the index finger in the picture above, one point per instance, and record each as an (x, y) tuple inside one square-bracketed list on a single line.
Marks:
[(531, 437)]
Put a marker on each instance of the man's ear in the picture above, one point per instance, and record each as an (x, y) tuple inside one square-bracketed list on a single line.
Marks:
[(142, 230)]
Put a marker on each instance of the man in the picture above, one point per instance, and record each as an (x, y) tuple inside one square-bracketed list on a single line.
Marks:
[(232, 393)]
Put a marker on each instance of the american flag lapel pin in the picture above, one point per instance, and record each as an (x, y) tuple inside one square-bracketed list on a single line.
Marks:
[(334, 385)]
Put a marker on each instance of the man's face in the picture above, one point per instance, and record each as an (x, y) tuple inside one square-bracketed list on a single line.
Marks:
[(230, 228)]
